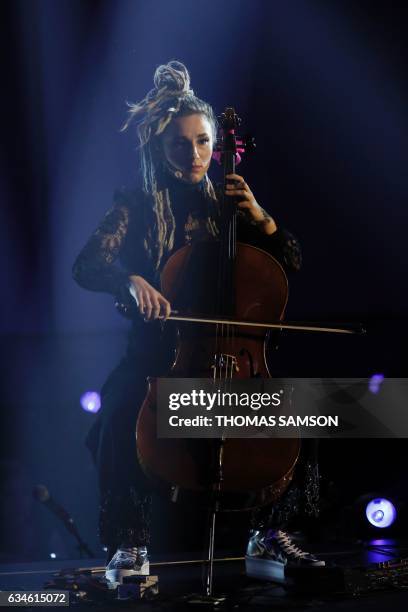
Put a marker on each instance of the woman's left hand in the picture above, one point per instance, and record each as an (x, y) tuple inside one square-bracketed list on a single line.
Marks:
[(240, 189)]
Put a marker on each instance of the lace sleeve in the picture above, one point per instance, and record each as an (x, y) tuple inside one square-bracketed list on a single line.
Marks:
[(286, 248), (95, 266), (281, 244)]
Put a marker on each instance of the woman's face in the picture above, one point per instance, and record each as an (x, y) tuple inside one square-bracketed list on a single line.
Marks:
[(188, 145)]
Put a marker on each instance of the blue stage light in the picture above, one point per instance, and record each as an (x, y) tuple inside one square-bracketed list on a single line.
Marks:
[(53, 555), (91, 401), (381, 512), (374, 383)]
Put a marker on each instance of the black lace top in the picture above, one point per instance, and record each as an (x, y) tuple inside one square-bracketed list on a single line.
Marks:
[(117, 248)]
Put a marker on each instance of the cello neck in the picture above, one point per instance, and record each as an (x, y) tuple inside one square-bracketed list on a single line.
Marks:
[(226, 288)]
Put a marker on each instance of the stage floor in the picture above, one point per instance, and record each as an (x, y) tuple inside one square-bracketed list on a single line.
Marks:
[(180, 577)]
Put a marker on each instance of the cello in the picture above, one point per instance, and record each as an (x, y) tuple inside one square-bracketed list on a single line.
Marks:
[(236, 288)]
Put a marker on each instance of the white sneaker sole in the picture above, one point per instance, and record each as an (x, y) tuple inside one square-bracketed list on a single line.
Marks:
[(265, 569), (115, 576)]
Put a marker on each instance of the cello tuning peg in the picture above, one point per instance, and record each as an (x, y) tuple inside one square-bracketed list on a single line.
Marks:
[(249, 143)]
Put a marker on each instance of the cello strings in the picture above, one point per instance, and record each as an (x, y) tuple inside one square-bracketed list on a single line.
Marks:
[(225, 253), (232, 288), (219, 328), (221, 273), (230, 273), (232, 300)]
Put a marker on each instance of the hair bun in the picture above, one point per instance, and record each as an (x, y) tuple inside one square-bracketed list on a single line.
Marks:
[(173, 76)]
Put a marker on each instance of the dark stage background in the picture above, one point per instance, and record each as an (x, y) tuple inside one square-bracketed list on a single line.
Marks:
[(321, 85)]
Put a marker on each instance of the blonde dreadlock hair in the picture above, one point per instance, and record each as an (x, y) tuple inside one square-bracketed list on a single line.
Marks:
[(171, 97)]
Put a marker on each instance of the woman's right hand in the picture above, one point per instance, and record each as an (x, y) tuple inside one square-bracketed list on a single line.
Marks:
[(151, 303)]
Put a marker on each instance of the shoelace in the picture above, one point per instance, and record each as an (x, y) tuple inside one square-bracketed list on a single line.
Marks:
[(130, 552), (288, 547)]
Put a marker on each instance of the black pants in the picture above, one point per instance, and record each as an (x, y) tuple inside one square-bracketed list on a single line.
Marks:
[(125, 496), (125, 493)]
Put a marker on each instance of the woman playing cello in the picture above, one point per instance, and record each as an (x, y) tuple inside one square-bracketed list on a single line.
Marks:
[(176, 205)]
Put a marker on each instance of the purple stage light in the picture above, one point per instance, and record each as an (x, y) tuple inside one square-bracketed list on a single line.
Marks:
[(91, 401), (374, 383), (381, 512)]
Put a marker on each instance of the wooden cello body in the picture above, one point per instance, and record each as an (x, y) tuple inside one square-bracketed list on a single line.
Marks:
[(256, 471), (239, 281)]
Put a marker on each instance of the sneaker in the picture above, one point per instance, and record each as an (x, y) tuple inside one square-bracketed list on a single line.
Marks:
[(127, 562), (269, 554)]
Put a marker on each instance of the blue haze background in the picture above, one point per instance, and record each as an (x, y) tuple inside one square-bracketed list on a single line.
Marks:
[(323, 88)]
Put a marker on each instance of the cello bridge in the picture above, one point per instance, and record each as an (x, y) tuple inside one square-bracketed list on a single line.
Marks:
[(224, 365)]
